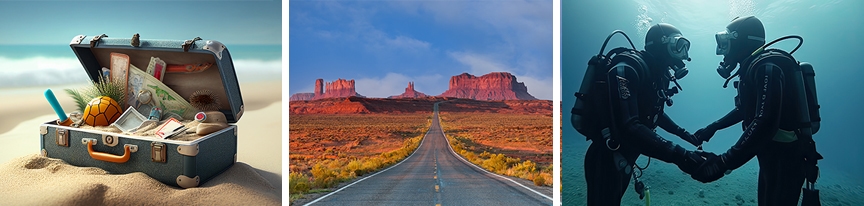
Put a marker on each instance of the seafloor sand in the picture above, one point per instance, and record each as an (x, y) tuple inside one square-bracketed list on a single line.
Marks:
[(29, 179), (669, 186)]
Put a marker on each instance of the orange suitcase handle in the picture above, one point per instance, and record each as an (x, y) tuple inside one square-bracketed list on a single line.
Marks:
[(109, 157)]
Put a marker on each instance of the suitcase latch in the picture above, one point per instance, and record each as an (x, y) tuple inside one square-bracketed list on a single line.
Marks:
[(110, 140), (157, 152), (96, 39), (188, 43), (62, 137)]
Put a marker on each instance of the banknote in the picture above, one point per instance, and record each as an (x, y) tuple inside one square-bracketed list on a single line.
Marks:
[(162, 96)]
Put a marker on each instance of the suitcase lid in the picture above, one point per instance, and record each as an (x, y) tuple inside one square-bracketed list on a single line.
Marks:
[(95, 53)]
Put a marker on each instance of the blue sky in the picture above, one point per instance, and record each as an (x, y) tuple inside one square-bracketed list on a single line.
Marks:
[(56, 22), (383, 45)]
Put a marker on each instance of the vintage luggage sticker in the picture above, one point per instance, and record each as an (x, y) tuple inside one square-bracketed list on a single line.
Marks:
[(622, 88)]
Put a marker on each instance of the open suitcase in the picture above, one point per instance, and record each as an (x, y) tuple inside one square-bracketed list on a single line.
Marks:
[(174, 162)]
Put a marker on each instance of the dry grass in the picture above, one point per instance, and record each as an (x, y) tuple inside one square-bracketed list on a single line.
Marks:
[(329, 149), (500, 142)]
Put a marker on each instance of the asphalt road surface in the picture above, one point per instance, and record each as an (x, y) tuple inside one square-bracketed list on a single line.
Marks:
[(434, 175)]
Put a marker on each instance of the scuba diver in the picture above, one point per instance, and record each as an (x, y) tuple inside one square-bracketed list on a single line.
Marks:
[(777, 103), (618, 107)]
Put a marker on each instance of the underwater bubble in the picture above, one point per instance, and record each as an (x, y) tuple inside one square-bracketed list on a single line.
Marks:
[(738, 8)]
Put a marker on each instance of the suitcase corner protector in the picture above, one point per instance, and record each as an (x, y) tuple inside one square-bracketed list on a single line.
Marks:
[(43, 129), (188, 150), (77, 39), (188, 182)]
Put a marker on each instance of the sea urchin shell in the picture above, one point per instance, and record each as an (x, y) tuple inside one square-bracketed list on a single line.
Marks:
[(205, 100)]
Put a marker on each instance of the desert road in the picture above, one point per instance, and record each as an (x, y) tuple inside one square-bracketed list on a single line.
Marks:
[(435, 175)]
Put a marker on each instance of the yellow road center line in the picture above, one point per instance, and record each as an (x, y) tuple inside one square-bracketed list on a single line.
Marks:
[(436, 188)]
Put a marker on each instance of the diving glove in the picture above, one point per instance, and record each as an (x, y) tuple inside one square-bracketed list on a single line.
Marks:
[(711, 169), (705, 134), (690, 160), (692, 139)]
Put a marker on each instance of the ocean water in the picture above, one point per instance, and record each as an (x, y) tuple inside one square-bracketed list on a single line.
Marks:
[(41, 65), (832, 42)]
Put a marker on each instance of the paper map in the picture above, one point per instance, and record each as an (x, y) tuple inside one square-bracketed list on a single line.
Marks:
[(163, 97)]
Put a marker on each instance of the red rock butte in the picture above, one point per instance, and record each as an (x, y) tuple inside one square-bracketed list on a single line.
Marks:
[(334, 89), (409, 93), (492, 86), (361, 105)]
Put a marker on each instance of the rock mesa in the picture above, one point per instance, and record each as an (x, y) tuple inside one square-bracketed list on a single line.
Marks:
[(492, 86), (338, 88)]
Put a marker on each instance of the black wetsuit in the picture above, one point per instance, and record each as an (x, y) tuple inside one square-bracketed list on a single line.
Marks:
[(637, 97), (766, 104)]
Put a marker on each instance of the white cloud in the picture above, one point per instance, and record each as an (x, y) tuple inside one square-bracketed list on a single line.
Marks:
[(407, 43), (395, 84), (391, 84), (537, 87), (352, 25), (480, 64)]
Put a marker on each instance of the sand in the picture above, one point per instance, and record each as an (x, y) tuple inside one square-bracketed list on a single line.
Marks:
[(29, 179), (669, 186)]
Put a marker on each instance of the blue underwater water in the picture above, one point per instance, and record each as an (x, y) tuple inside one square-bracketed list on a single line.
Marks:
[(41, 65), (832, 43)]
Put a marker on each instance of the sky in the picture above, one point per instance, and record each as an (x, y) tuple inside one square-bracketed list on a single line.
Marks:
[(56, 22), (383, 45)]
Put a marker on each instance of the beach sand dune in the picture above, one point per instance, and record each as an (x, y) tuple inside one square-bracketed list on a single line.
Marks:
[(29, 179), (48, 181)]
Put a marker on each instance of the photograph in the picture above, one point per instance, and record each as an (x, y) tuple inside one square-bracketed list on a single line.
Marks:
[(761, 127), (420, 103), (141, 103)]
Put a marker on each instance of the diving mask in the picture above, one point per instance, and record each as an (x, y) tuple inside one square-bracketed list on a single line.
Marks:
[(677, 46), (724, 39)]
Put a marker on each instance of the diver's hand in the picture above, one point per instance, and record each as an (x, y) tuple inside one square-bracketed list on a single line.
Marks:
[(711, 170), (690, 162), (704, 134), (692, 139)]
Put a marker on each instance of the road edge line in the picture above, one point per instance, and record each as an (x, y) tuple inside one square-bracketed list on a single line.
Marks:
[(391, 167), (475, 166)]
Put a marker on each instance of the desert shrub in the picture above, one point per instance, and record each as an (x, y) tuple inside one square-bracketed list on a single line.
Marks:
[(539, 180), (499, 163), (373, 163), (356, 167), (323, 176), (470, 156), (524, 170), (298, 183)]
